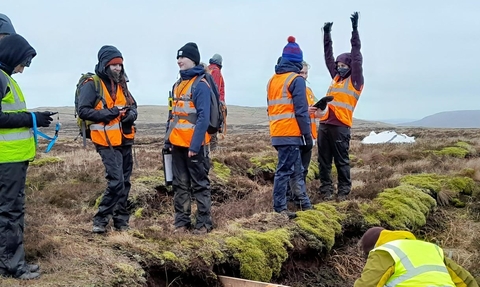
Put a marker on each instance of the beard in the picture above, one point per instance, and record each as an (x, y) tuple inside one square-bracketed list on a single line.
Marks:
[(115, 76)]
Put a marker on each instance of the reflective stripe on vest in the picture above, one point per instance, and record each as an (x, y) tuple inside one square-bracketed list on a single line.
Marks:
[(184, 115), (344, 102), (16, 136), (110, 134), (408, 273), (281, 111), (16, 144), (311, 101)]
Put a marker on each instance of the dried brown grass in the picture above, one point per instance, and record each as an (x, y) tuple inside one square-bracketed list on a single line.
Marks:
[(61, 198)]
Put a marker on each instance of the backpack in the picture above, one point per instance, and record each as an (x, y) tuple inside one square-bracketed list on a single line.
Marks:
[(218, 110), (84, 125)]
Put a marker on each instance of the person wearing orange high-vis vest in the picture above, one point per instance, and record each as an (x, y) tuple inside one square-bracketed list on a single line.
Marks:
[(187, 138), (113, 134), (305, 154), (335, 124), (290, 128)]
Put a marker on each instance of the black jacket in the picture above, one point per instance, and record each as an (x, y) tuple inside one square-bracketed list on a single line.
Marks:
[(88, 96)]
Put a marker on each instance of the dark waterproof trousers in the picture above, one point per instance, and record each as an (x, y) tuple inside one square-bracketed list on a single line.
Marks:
[(306, 156), (12, 214), (190, 176), (118, 164), (334, 143), (289, 167)]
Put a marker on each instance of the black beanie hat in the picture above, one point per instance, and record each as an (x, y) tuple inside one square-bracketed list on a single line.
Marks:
[(190, 50)]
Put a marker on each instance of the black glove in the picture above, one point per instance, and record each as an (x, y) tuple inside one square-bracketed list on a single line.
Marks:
[(354, 19), (167, 145), (43, 119), (110, 114), (308, 142), (322, 103), (327, 28), (129, 117)]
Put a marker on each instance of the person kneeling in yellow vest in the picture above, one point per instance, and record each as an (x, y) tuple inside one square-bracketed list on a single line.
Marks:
[(397, 258)]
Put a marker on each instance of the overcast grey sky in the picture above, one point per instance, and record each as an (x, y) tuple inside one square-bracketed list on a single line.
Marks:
[(420, 57)]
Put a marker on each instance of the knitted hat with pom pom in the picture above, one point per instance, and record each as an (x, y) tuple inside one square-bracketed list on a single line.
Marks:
[(292, 51)]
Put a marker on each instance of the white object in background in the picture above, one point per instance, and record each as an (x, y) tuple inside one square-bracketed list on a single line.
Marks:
[(387, 137)]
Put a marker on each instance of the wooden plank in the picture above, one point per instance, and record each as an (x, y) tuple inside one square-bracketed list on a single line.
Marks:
[(238, 282)]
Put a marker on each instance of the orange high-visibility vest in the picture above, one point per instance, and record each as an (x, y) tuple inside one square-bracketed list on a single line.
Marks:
[(311, 102), (110, 134), (184, 115), (345, 98), (281, 112)]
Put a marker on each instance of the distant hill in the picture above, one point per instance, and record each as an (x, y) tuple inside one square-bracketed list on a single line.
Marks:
[(450, 119), (237, 115)]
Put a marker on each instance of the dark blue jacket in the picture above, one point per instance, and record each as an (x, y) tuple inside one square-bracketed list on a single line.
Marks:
[(201, 100), (298, 90)]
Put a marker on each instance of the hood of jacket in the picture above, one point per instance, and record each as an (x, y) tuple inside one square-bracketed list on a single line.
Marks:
[(388, 236), (285, 66), (105, 55), (15, 50), (6, 26)]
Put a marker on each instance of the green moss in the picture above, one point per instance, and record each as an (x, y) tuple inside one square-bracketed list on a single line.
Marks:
[(470, 172), (260, 254), (430, 181), (452, 151), (266, 163), (368, 212), (138, 212), (457, 202), (436, 183), (323, 222), (355, 161), (169, 256), (464, 145), (221, 171), (403, 207), (464, 185), (152, 181), (128, 274), (98, 201), (313, 171), (45, 161)]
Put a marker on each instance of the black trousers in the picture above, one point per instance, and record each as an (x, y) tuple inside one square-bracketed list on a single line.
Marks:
[(190, 176), (306, 156), (334, 143), (118, 168), (12, 218)]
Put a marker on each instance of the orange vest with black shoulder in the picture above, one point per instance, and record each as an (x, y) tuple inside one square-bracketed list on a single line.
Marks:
[(110, 134), (311, 102), (184, 115), (345, 98), (281, 111)]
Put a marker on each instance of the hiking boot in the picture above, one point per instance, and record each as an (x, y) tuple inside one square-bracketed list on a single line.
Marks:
[(288, 214), (29, 275), (200, 231), (342, 197), (328, 196), (181, 230), (99, 229), (33, 267)]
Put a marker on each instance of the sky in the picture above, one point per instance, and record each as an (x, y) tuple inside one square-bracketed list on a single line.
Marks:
[(420, 57)]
